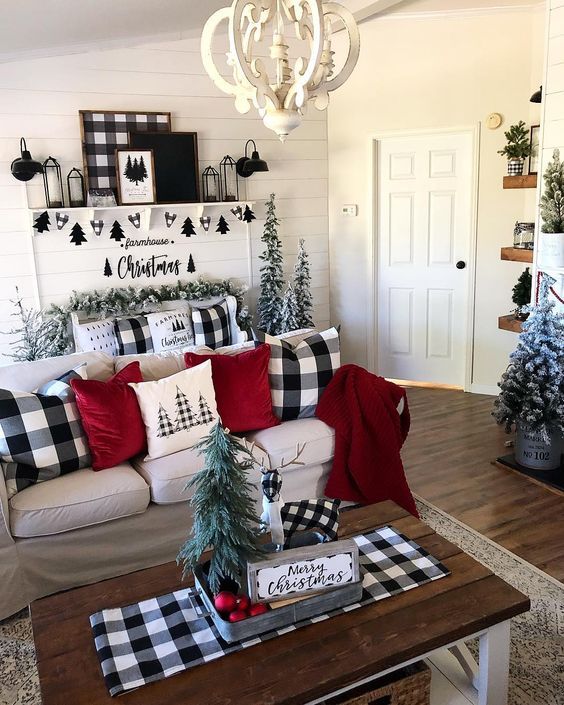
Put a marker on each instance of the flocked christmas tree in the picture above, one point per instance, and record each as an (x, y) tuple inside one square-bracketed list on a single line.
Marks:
[(302, 288), (35, 335), (77, 235), (42, 222), (532, 387), (107, 268), (289, 314), (269, 303), (224, 515), (222, 226), (116, 232), (191, 266), (188, 227), (552, 199)]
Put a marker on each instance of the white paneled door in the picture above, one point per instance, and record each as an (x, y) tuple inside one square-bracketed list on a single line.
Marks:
[(424, 201)]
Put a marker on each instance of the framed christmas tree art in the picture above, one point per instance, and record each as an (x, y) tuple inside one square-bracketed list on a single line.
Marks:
[(135, 172)]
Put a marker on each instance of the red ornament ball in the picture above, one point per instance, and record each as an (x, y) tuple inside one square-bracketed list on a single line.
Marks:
[(238, 616), (243, 603), (225, 602), (255, 610)]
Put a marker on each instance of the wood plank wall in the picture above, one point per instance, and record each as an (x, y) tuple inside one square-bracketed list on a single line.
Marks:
[(40, 99)]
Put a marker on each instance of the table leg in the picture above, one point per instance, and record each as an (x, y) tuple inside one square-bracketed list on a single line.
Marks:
[(493, 675)]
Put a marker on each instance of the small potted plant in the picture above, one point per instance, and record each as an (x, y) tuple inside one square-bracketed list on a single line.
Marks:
[(531, 395), (517, 149), (522, 295), (551, 249)]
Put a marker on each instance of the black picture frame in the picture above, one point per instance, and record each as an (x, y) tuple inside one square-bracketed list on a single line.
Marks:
[(176, 164)]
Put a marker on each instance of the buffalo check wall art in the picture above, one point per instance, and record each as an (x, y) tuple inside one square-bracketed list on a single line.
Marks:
[(104, 131), (157, 638)]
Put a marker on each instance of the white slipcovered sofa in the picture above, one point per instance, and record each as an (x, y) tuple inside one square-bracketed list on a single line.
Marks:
[(87, 526)]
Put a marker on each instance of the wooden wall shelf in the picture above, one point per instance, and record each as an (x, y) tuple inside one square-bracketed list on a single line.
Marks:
[(509, 323), (529, 181), (515, 254)]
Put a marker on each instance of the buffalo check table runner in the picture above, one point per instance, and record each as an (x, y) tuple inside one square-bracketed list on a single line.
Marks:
[(156, 638)]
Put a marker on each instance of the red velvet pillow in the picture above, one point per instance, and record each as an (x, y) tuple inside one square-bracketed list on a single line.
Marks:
[(242, 391), (111, 417)]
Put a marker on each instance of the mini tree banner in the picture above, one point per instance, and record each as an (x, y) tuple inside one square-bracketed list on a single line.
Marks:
[(42, 222), (188, 227), (248, 215), (222, 226), (62, 219), (169, 218), (191, 265), (205, 222), (77, 235), (107, 268), (238, 212), (135, 219), (116, 233), (97, 226), (223, 507)]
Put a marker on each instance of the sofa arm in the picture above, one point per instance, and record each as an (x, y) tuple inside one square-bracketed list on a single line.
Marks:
[(4, 508)]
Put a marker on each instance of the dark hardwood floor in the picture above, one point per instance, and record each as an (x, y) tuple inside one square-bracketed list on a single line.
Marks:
[(447, 458)]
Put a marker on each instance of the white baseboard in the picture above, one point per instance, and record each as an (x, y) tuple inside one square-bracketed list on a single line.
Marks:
[(492, 390)]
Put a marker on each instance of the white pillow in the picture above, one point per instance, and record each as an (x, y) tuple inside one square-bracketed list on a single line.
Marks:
[(96, 335), (170, 329), (178, 410)]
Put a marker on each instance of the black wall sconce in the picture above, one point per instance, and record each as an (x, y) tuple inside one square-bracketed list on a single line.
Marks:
[(248, 165), (25, 167), (75, 187), (53, 183), (536, 97)]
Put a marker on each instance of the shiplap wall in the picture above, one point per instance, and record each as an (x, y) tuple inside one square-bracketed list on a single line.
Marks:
[(40, 100), (553, 105)]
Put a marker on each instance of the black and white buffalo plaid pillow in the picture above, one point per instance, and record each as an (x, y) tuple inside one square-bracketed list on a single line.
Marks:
[(133, 335), (299, 374), (41, 435), (211, 326)]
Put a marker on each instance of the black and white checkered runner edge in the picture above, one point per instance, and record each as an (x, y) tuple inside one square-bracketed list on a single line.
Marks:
[(157, 638)]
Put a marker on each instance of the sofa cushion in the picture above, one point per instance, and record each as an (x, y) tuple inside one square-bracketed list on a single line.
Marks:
[(280, 442), (80, 499), (28, 376), (154, 365), (167, 476)]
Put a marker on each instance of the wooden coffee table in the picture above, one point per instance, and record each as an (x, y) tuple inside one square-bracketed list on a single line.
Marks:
[(306, 665)]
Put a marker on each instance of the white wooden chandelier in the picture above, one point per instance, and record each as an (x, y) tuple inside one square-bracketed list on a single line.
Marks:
[(282, 95)]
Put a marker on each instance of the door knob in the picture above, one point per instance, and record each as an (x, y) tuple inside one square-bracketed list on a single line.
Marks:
[(460, 264)]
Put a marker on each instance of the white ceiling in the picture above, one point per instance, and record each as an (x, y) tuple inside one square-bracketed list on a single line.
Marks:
[(30, 28)]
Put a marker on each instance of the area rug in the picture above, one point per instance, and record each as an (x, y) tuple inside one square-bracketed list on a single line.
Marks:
[(537, 638)]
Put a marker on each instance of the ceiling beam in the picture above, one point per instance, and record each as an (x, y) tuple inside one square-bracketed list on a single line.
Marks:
[(373, 9)]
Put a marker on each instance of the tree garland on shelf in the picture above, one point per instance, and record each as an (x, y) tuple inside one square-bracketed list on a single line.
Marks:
[(121, 301)]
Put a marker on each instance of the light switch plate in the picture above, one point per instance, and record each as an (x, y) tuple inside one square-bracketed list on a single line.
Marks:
[(350, 210)]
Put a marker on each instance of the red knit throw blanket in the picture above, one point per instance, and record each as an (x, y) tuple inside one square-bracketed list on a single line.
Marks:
[(369, 434)]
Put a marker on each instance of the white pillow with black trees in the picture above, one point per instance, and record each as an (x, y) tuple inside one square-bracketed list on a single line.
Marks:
[(96, 336), (170, 330), (41, 434), (298, 374), (178, 410)]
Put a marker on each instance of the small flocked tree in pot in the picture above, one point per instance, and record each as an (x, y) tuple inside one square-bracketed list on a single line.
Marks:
[(225, 518), (518, 147), (551, 242), (531, 395)]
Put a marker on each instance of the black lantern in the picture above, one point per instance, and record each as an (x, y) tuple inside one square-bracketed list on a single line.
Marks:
[(248, 165), (53, 183), (25, 167), (229, 179), (210, 185), (75, 187)]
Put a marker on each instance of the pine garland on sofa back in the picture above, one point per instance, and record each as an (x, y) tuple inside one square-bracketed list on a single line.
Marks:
[(121, 301)]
